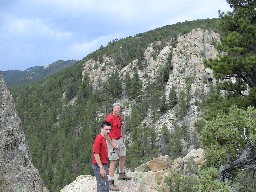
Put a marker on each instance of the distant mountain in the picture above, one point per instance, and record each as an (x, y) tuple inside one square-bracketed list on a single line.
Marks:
[(33, 74)]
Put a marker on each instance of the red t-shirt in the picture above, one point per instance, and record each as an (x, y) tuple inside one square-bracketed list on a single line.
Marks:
[(100, 147), (116, 126)]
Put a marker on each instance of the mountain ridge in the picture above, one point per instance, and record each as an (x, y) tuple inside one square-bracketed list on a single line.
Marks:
[(34, 74)]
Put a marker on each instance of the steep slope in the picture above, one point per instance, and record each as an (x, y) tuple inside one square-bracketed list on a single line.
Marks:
[(17, 173)]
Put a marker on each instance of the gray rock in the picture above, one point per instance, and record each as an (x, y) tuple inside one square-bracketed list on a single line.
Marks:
[(17, 172)]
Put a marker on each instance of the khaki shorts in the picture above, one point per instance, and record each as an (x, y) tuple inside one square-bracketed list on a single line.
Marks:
[(114, 154)]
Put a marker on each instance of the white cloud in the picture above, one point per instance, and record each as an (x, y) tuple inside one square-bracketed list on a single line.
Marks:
[(126, 9), (80, 50), (33, 27)]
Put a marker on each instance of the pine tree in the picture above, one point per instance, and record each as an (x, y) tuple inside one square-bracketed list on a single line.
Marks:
[(114, 85), (237, 59), (229, 140), (173, 99)]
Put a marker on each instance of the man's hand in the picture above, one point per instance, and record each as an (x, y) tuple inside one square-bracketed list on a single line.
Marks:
[(102, 172), (115, 146)]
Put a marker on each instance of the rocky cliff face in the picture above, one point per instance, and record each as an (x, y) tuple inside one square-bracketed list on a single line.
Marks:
[(17, 172), (189, 74), (187, 60)]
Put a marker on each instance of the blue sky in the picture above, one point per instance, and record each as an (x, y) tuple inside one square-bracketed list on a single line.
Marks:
[(40, 32)]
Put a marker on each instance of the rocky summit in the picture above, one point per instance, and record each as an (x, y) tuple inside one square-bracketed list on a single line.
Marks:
[(17, 172), (149, 177)]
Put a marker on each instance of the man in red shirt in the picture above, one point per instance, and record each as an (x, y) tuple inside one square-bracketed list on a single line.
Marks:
[(100, 158), (116, 147)]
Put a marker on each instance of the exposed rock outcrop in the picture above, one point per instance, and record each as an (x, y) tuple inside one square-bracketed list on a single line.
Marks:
[(17, 172), (148, 177)]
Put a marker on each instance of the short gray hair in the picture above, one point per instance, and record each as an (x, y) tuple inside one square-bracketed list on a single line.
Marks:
[(116, 104)]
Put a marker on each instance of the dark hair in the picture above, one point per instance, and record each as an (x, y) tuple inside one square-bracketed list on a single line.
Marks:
[(105, 123)]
